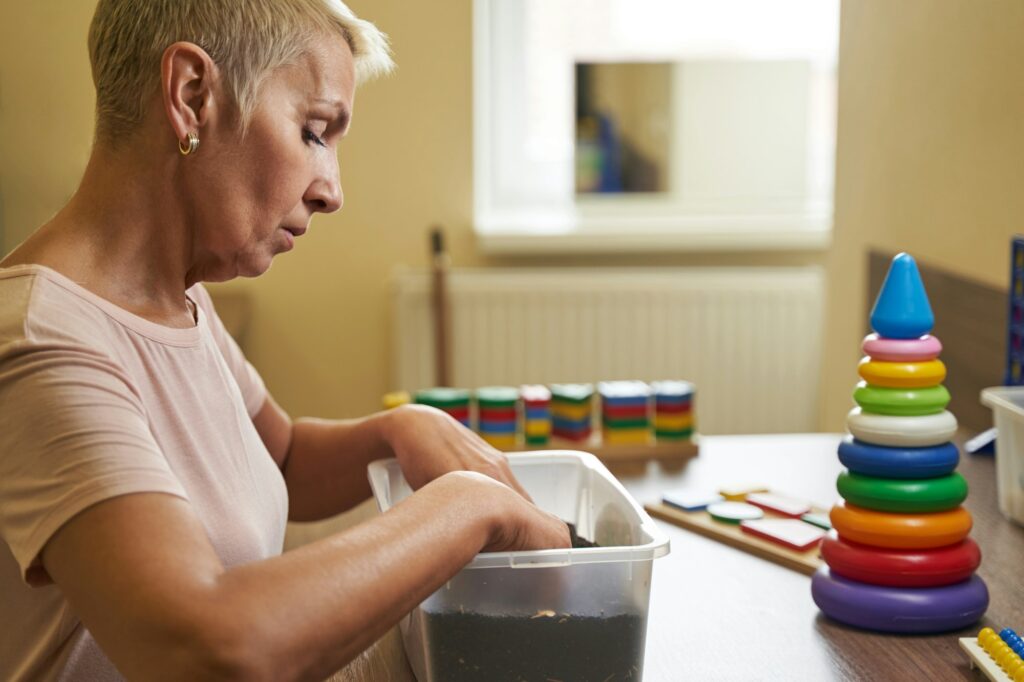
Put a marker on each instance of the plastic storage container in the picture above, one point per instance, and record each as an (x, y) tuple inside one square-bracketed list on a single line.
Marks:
[(1007, 403), (563, 614)]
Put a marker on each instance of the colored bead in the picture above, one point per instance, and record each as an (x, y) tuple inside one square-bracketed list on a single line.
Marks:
[(902, 495), (901, 350), (902, 374), (906, 402), (883, 429), (901, 310)]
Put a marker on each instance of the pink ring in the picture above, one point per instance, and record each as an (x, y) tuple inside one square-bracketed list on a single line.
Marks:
[(901, 350)]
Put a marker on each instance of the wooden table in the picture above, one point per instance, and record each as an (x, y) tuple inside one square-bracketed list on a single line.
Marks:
[(720, 614)]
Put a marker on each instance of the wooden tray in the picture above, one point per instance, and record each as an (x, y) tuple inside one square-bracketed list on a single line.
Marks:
[(612, 453), (701, 522)]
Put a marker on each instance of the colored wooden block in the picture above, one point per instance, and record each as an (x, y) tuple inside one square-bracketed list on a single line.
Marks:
[(680, 422), (780, 504), (791, 533)]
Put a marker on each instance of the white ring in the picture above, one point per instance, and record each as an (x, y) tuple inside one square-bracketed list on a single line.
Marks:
[(912, 432)]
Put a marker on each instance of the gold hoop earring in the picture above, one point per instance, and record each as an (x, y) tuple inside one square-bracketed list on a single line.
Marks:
[(192, 144)]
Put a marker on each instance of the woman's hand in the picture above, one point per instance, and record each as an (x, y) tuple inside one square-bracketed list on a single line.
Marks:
[(429, 443), (512, 523)]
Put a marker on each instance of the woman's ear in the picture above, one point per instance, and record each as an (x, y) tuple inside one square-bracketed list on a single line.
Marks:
[(188, 80)]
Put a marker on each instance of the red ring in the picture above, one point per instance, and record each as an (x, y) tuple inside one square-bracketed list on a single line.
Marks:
[(901, 568)]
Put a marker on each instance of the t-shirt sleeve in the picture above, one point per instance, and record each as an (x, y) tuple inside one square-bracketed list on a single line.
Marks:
[(254, 391), (73, 434)]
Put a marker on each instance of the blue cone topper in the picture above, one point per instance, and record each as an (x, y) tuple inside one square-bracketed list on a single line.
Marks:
[(902, 310)]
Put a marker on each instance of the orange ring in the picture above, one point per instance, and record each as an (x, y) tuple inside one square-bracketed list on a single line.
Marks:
[(900, 531), (902, 374)]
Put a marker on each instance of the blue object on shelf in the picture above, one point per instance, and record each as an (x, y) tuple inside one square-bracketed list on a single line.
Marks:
[(902, 310)]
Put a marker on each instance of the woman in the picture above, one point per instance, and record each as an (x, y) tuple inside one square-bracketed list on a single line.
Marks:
[(145, 473)]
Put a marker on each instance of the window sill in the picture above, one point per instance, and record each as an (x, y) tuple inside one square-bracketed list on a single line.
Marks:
[(549, 234)]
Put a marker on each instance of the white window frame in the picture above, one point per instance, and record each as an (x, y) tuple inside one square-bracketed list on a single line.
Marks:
[(610, 223)]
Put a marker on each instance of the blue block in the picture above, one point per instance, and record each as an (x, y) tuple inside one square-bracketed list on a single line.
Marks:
[(496, 427), (538, 413), (902, 310), (570, 424)]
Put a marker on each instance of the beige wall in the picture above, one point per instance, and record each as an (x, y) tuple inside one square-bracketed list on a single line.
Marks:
[(930, 155)]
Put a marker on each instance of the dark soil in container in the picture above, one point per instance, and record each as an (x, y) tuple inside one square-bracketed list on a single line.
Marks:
[(545, 647), (541, 647)]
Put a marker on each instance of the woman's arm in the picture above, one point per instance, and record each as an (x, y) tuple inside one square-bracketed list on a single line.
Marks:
[(141, 574), (324, 462)]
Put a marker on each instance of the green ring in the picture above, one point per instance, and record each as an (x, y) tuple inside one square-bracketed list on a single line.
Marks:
[(905, 496), (901, 402)]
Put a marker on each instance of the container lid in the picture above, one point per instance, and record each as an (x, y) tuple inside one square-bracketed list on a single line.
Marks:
[(594, 483), (1007, 398)]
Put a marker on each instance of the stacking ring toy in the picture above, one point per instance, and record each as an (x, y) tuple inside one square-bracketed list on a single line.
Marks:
[(903, 496), (900, 531), (902, 374), (901, 568), (890, 462), (913, 432), (901, 402), (901, 350), (899, 609)]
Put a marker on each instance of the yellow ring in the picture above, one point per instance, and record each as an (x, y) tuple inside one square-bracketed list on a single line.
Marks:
[(902, 374)]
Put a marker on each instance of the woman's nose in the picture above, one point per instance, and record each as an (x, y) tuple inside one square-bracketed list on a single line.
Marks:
[(324, 194)]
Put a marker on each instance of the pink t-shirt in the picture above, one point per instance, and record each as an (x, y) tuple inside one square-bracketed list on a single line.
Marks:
[(96, 402)]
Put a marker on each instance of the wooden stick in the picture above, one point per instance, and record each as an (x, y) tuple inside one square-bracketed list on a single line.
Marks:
[(439, 298)]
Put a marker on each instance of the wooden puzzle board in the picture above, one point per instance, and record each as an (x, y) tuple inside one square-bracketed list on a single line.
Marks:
[(613, 453), (701, 522)]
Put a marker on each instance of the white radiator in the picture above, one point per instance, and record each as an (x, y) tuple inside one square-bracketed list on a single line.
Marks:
[(750, 338)]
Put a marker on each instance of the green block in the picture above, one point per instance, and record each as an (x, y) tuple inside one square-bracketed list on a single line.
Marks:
[(497, 396), (443, 397), (639, 423)]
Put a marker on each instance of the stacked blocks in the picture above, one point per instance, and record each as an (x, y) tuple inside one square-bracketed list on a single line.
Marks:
[(898, 558), (624, 412), (571, 411), (497, 419), (673, 410), (537, 414), (454, 401)]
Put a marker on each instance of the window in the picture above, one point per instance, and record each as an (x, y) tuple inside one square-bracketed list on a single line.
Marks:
[(618, 125)]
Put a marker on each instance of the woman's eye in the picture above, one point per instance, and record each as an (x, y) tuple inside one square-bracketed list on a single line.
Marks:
[(309, 136)]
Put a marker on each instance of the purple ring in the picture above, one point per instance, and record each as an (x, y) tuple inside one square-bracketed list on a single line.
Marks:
[(900, 609)]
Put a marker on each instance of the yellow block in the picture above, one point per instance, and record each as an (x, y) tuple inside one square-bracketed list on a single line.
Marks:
[(395, 399), (538, 427), (673, 422), (902, 374), (626, 436), (573, 412), (501, 442)]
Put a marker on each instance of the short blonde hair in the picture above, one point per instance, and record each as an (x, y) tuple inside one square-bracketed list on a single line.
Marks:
[(245, 38)]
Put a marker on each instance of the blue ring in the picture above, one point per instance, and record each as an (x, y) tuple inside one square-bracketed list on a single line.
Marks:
[(898, 462)]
